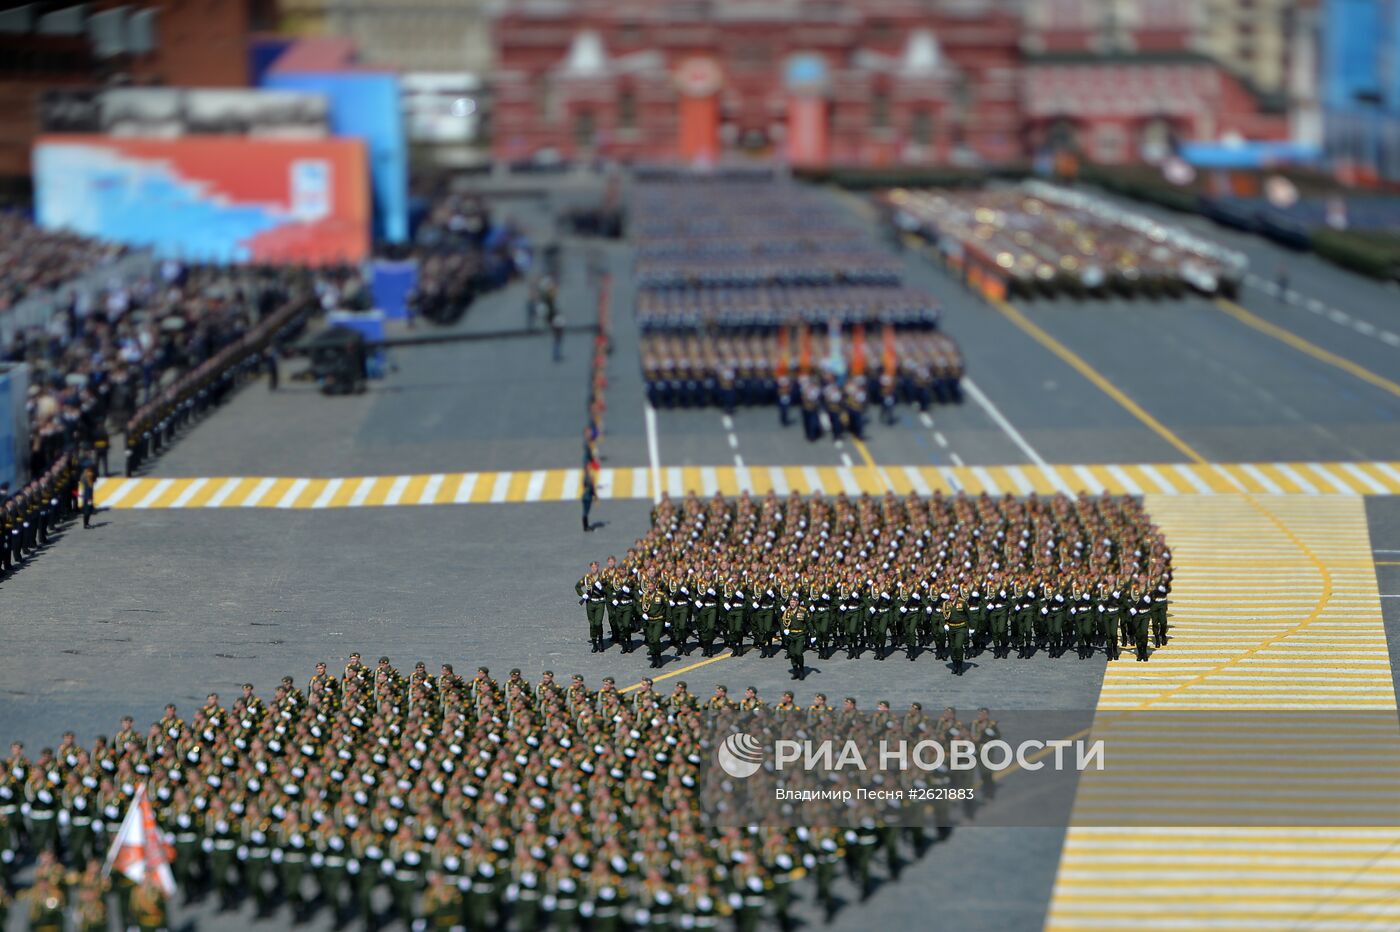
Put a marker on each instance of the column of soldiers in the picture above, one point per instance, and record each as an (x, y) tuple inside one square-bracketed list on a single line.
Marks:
[(454, 802), (956, 575), (29, 516)]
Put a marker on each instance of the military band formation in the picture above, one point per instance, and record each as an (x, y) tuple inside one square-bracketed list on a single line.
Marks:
[(757, 292), (957, 575), (457, 803)]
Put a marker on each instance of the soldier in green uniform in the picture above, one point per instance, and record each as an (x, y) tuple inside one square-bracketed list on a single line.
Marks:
[(956, 624), (706, 614), (592, 595), (678, 610), (330, 859), (653, 604), (999, 616), (1159, 609), (937, 611), (818, 601), (909, 609), (1083, 617), (148, 906), (878, 613), (406, 855), (442, 903), (795, 637), (611, 578), (1056, 609), (1106, 613), (735, 602), (749, 896), (1139, 614), (366, 854), (978, 628), (45, 900), (763, 602), (292, 839), (1023, 611), (851, 616), (220, 844), (255, 854), (622, 595), (985, 728), (79, 802)]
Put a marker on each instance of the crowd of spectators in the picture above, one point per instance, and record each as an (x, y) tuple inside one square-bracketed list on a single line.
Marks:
[(35, 260)]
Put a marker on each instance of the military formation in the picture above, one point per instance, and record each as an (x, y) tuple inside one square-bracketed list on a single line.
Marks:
[(439, 800), (762, 308), (757, 292), (1040, 239), (954, 575), (690, 371)]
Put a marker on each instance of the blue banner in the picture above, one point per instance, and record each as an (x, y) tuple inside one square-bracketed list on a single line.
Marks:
[(366, 106)]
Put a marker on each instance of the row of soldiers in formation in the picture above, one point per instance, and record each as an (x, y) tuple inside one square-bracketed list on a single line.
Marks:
[(958, 574), (29, 516), (762, 309), (468, 802), (729, 372)]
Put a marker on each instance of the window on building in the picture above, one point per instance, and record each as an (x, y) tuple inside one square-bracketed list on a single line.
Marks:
[(627, 109), (880, 109), (921, 129), (584, 129)]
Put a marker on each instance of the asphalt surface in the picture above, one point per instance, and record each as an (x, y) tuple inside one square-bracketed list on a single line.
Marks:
[(164, 606)]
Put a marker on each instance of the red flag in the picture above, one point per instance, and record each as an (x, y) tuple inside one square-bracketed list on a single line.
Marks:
[(889, 356), (804, 353), (139, 850), (858, 350)]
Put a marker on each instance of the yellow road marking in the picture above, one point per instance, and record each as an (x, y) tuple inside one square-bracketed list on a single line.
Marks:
[(1305, 346), (1221, 479), (666, 676), (1103, 384)]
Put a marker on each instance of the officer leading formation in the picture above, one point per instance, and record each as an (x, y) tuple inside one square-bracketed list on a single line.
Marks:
[(960, 575)]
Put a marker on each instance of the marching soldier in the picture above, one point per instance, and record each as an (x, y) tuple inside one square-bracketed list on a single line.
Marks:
[(795, 637), (734, 601), (679, 603), (592, 595), (1159, 608), (706, 615), (955, 624), (1139, 614), (148, 905), (653, 605)]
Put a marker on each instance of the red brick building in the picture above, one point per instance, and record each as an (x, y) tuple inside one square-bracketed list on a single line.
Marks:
[(846, 82), (43, 45)]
